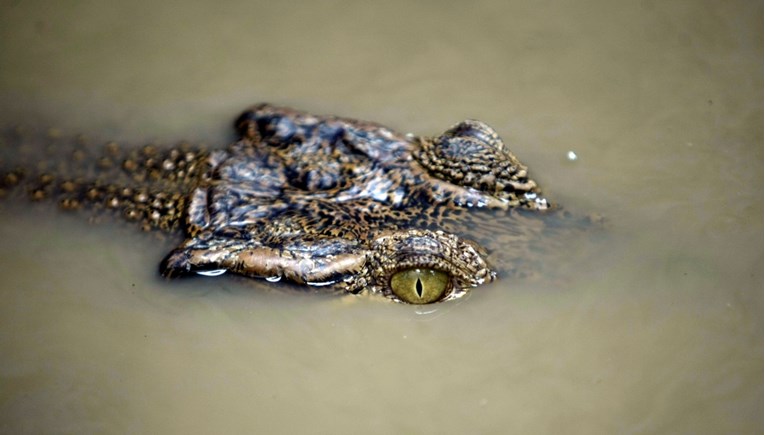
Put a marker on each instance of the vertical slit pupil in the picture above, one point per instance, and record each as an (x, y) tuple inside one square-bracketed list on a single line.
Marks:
[(418, 287)]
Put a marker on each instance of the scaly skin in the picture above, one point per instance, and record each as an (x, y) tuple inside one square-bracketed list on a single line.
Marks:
[(317, 200)]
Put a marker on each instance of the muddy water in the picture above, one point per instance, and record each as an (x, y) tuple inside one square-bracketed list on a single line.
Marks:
[(652, 326)]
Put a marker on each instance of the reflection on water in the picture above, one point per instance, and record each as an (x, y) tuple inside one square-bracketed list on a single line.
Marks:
[(655, 325)]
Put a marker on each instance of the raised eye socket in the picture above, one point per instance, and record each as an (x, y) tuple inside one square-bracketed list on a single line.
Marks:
[(419, 286)]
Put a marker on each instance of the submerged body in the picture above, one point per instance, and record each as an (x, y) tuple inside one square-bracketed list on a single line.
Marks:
[(320, 201)]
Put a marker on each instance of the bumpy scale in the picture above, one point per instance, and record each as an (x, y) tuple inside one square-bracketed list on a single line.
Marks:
[(316, 200)]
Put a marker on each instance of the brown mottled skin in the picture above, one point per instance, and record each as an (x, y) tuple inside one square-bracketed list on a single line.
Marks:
[(316, 200)]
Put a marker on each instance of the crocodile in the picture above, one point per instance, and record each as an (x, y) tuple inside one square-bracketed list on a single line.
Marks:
[(323, 201)]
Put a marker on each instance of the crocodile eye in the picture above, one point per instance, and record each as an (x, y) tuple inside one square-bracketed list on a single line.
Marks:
[(420, 286)]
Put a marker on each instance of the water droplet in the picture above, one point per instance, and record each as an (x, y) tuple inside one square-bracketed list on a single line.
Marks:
[(320, 283), (571, 156), (211, 272), (425, 311)]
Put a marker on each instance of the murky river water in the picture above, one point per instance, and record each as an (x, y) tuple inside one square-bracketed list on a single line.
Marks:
[(653, 326)]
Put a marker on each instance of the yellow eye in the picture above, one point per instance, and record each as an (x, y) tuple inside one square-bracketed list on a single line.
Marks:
[(419, 286)]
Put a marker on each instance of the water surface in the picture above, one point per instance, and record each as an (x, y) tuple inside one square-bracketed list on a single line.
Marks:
[(654, 325)]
